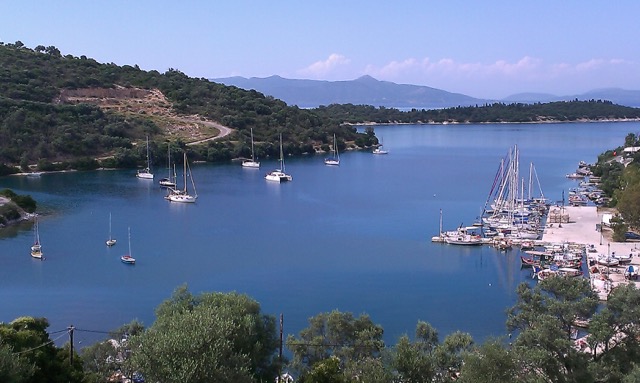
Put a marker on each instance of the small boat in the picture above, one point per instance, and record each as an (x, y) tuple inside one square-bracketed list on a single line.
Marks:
[(568, 272), (502, 244), (622, 258), (463, 236), (631, 272), (177, 195), (529, 261), (170, 181), (36, 248), (607, 260), (128, 258), (279, 175), (440, 237), (34, 174), (526, 245), (146, 172), (111, 241), (335, 158), (575, 176), (379, 149), (252, 163)]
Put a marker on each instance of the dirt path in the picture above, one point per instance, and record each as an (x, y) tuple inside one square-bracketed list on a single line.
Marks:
[(223, 130)]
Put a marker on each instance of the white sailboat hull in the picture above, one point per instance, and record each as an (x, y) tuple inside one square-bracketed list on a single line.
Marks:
[(278, 176), (165, 182), (182, 198), (36, 251), (144, 174), (251, 164)]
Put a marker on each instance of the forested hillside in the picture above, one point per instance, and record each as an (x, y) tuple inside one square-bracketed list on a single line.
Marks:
[(40, 123), (560, 111)]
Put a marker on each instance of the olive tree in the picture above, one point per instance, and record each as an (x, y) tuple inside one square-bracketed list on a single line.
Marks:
[(544, 316), (212, 337), (336, 334)]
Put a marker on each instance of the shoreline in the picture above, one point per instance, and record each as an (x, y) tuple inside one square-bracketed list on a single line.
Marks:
[(493, 123)]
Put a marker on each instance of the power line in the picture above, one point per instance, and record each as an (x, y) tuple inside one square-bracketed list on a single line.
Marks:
[(94, 331), (42, 345)]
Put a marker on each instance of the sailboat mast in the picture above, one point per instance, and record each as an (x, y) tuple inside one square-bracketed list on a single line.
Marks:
[(252, 157), (185, 172), (148, 162), (281, 155), (130, 242)]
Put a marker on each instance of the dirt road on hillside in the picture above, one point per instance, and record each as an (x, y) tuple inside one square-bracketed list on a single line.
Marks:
[(224, 131)]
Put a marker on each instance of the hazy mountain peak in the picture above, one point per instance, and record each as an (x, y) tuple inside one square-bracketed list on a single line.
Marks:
[(366, 90), (366, 77)]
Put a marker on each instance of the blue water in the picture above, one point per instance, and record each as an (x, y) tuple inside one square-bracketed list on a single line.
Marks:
[(354, 238)]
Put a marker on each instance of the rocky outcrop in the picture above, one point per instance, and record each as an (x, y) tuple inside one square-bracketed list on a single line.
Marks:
[(11, 213)]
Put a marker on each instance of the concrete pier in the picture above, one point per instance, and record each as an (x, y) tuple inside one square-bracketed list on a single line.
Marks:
[(581, 227)]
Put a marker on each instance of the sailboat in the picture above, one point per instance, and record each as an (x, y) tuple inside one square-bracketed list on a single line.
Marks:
[(36, 248), (128, 258), (441, 234), (379, 149), (335, 158), (146, 172), (279, 175), (111, 241), (170, 181), (176, 195), (252, 162)]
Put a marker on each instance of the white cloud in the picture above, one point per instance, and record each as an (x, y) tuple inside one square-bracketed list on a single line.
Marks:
[(320, 69)]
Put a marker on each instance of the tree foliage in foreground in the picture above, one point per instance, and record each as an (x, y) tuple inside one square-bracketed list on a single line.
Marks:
[(215, 337), (212, 337), (28, 355)]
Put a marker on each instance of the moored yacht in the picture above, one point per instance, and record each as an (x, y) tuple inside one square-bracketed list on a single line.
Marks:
[(279, 175), (252, 163)]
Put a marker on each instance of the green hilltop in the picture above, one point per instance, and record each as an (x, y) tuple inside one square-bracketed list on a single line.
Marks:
[(64, 111)]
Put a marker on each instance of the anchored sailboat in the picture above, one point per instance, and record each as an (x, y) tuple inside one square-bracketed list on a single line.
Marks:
[(36, 248), (335, 157), (279, 175), (252, 162), (111, 241), (379, 149), (170, 181), (128, 258), (177, 195), (146, 172)]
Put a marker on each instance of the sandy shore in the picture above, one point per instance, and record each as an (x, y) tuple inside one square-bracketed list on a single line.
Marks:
[(581, 228)]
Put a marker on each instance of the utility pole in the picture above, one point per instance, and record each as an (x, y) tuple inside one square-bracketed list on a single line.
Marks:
[(280, 352), (70, 329)]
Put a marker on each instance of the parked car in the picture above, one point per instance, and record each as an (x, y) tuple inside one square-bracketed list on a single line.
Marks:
[(631, 235)]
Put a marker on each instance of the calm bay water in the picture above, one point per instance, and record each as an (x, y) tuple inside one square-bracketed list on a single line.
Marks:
[(354, 238)]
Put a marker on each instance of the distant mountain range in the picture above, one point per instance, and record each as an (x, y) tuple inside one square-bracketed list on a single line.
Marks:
[(366, 90)]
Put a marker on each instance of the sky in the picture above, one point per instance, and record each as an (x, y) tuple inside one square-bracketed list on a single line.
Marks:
[(485, 49)]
